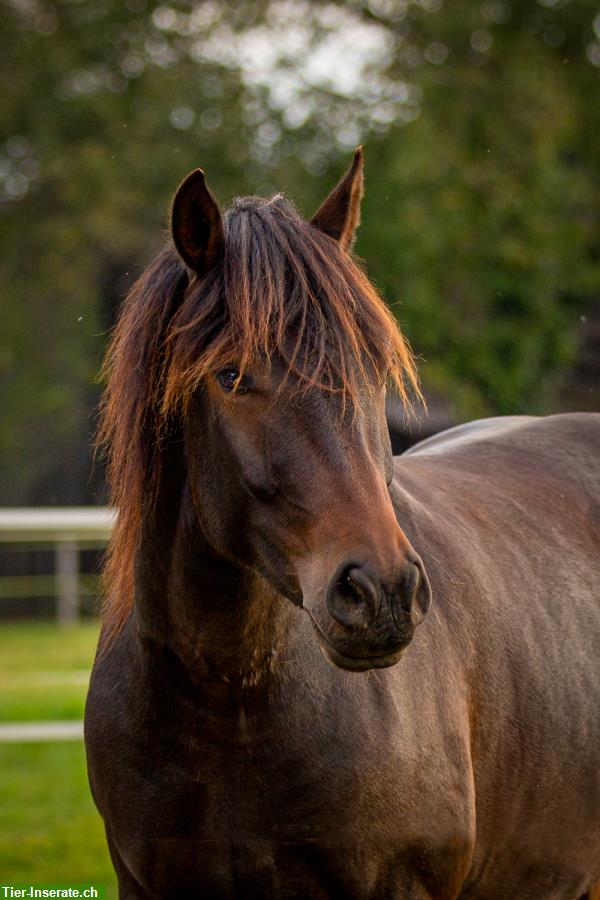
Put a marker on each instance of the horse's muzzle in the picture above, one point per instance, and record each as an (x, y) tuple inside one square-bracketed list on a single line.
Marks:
[(370, 620)]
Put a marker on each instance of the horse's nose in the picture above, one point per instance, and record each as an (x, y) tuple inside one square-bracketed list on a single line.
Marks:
[(356, 597)]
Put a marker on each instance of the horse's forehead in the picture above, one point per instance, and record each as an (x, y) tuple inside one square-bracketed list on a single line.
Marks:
[(301, 413)]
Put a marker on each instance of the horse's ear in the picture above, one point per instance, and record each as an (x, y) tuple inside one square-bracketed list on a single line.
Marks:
[(197, 224), (339, 215)]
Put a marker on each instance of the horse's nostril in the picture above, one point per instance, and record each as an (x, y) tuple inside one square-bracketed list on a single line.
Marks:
[(357, 586), (408, 587), (352, 598), (412, 596)]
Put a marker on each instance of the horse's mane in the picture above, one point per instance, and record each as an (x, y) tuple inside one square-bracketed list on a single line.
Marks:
[(284, 290)]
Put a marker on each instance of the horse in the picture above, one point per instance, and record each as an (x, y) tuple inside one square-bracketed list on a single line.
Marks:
[(325, 672)]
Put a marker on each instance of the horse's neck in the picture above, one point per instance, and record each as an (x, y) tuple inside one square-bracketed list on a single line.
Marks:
[(224, 624)]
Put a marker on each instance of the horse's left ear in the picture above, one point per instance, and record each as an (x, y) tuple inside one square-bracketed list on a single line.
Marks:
[(339, 215), (197, 224)]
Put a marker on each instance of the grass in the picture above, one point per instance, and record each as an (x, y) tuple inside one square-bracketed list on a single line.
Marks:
[(43, 670), (50, 831), (43, 646)]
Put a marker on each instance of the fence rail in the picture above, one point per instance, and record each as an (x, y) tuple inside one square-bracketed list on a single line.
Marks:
[(67, 529)]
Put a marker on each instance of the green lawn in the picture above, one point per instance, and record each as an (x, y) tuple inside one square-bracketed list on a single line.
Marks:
[(43, 670), (43, 646), (50, 831)]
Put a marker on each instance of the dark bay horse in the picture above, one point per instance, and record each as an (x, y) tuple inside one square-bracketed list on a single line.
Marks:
[(325, 672)]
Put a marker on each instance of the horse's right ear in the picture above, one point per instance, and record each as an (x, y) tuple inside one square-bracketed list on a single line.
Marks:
[(197, 224)]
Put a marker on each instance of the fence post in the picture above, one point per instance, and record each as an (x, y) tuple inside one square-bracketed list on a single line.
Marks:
[(66, 555)]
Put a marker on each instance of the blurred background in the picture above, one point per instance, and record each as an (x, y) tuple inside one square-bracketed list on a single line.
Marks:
[(480, 123)]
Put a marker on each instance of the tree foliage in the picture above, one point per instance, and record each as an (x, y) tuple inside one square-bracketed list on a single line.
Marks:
[(479, 122)]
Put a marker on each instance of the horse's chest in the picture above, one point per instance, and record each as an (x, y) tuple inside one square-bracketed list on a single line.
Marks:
[(238, 866), (342, 865), (289, 828)]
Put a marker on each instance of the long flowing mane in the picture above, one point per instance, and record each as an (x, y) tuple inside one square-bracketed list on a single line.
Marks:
[(283, 290)]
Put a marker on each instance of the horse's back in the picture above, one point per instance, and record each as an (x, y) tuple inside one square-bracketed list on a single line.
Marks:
[(513, 458), (467, 433), (534, 433)]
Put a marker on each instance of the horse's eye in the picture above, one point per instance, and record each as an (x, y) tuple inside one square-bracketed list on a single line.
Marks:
[(229, 379)]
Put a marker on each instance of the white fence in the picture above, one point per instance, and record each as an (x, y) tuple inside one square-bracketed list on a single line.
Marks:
[(68, 529)]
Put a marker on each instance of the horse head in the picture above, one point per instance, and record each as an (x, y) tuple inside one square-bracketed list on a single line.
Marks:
[(279, 356)]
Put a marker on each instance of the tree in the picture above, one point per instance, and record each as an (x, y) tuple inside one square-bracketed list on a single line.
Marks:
[(479, 122)]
